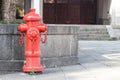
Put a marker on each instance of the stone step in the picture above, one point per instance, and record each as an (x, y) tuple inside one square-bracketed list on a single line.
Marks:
[(93, 32), (93, 29), (96, 32), (92, 26), (93, 35), (116, 26), (94, 38)]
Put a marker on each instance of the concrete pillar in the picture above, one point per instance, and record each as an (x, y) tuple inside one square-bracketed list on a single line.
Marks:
[(36, 4), (103, 9), (41, 8)]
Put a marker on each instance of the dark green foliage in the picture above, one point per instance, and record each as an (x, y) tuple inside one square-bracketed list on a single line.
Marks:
[(32, 73)]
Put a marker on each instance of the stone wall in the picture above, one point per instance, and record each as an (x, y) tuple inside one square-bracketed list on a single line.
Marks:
[(59, 50)]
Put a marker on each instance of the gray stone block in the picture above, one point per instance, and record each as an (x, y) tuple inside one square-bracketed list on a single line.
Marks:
[(59, 50), (62, 29), (11, 65), (17, 50), (74, 45), (5, 47), (59, 30), (57, 46), (59, 61), (8, 29)]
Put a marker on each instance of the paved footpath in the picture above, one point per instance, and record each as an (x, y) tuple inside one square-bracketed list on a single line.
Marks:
[(99, 60)]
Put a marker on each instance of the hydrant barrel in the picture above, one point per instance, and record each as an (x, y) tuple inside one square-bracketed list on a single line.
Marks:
[(32, 30)]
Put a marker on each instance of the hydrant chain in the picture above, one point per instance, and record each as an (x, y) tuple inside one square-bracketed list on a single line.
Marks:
[(21, 42), (45, 37)]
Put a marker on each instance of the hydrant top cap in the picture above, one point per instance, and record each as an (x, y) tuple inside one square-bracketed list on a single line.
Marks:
[(31, 16)]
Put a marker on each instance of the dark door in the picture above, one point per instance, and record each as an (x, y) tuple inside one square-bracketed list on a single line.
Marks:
[(69, 11), (49, 11), (55, 11), (88, 11), (74, 12), (61, 11)]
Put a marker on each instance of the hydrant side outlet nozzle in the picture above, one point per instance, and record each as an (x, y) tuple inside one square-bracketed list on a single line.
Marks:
[(32, 30), (22, 27), (42, 28)]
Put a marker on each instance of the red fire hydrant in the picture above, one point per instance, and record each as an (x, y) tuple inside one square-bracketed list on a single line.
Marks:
[(33, 30)]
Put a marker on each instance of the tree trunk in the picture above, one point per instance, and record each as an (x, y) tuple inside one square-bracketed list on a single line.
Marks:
[(0, 9), (8, 10)]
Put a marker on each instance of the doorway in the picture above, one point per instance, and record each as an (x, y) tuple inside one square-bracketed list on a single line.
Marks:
[(69, 11)]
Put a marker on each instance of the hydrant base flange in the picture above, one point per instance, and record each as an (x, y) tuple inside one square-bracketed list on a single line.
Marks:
[(35, 69)]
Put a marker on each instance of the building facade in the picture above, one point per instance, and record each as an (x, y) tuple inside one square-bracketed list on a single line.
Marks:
[(68, 11), (72, 11)]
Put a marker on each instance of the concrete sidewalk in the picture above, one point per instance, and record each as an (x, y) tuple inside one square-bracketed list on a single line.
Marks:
[(99, 60)]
